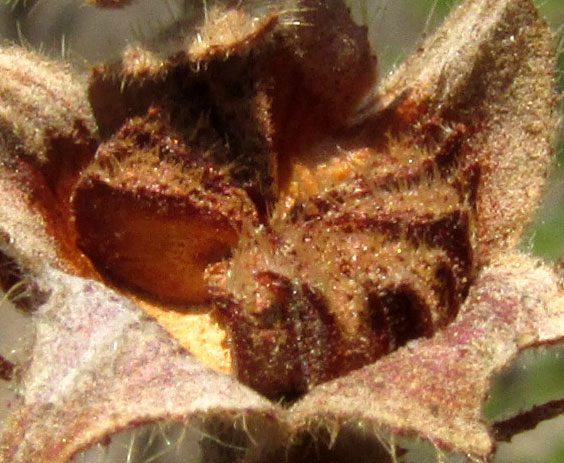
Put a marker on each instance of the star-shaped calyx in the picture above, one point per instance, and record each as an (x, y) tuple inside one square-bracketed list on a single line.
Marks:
[(285, 226)]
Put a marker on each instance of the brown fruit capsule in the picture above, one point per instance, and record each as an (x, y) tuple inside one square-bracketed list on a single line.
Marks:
[(229, 177)]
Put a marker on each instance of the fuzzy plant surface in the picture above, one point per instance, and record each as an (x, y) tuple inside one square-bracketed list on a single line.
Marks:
[(234, 229)]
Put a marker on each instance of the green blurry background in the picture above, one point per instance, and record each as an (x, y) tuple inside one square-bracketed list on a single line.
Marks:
[(395, 29)]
